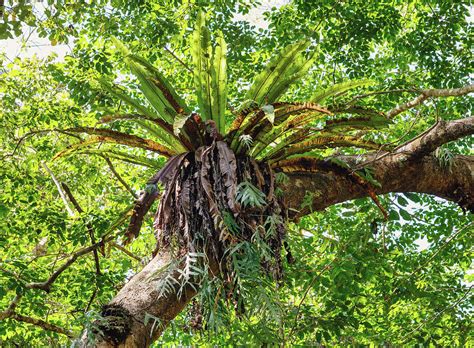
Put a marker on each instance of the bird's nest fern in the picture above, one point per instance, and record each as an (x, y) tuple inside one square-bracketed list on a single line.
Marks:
[(219, 182)]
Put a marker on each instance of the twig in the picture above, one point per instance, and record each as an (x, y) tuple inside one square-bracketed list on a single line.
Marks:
[(46, 285), (325, 268), (419, 268), (10, 273), (10, 313), (415, 146), (58, 185), (125, 251), (41, 131), (178, 59), (11, 307), (428, 93), (107, 237), (119, 178), (41, 323), (90, 229), (91, 300), (453, 236), (365, 95), (423, 323)]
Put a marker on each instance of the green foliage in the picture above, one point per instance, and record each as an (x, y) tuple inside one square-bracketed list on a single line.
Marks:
[(159, 92), (284, 68), (445, 157), (210, 73), (407, 284), (338, 90), (219, 83), (249, 195)]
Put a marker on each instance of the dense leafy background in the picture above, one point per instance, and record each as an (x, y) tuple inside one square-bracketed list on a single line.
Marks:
[(356, 279)]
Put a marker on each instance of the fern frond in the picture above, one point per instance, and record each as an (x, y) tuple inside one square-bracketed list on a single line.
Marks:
[(201, 51), (298, 69), (120, 94), (284, 140), (276, 74), (111, 136), (322, 141), (289, 119), (152, 93), (219, 83), (161, 129), (362, 122), (162, 83), (339, 89), (123, 156), (250, 196)]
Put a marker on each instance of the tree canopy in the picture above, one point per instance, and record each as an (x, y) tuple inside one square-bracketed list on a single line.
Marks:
[(345, 127)]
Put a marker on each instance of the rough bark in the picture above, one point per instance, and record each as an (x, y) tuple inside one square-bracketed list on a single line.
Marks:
[(410, 168), (425, 175), (136, 301)]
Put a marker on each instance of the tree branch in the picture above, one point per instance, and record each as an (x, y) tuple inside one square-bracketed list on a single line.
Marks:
[(90, 229), (126, 251), (441, 133), (42, 324), (60, 190), (11, 307), (408, 168), (10, 313), (140, 298), (428, 93), (119, 178), (329, 184), (433, 318), (46, 285)]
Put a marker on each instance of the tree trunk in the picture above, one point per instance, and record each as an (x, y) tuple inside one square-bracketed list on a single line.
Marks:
[(138, 315)]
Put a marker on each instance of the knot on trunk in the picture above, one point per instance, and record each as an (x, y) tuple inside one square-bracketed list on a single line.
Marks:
[(116, 323)]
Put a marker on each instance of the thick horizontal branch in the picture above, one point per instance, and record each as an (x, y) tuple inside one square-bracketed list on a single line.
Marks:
[(329, 187), (441, 133), (409, 168), (430, 93)]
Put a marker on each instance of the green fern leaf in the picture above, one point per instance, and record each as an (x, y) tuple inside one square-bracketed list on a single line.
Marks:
[(201, 51), (275, 73), (338, 89), (161, 82), (323, 141), (219, 83), (148, 83), (376, 121), (298, 69), (159, 128), (249, 195)]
